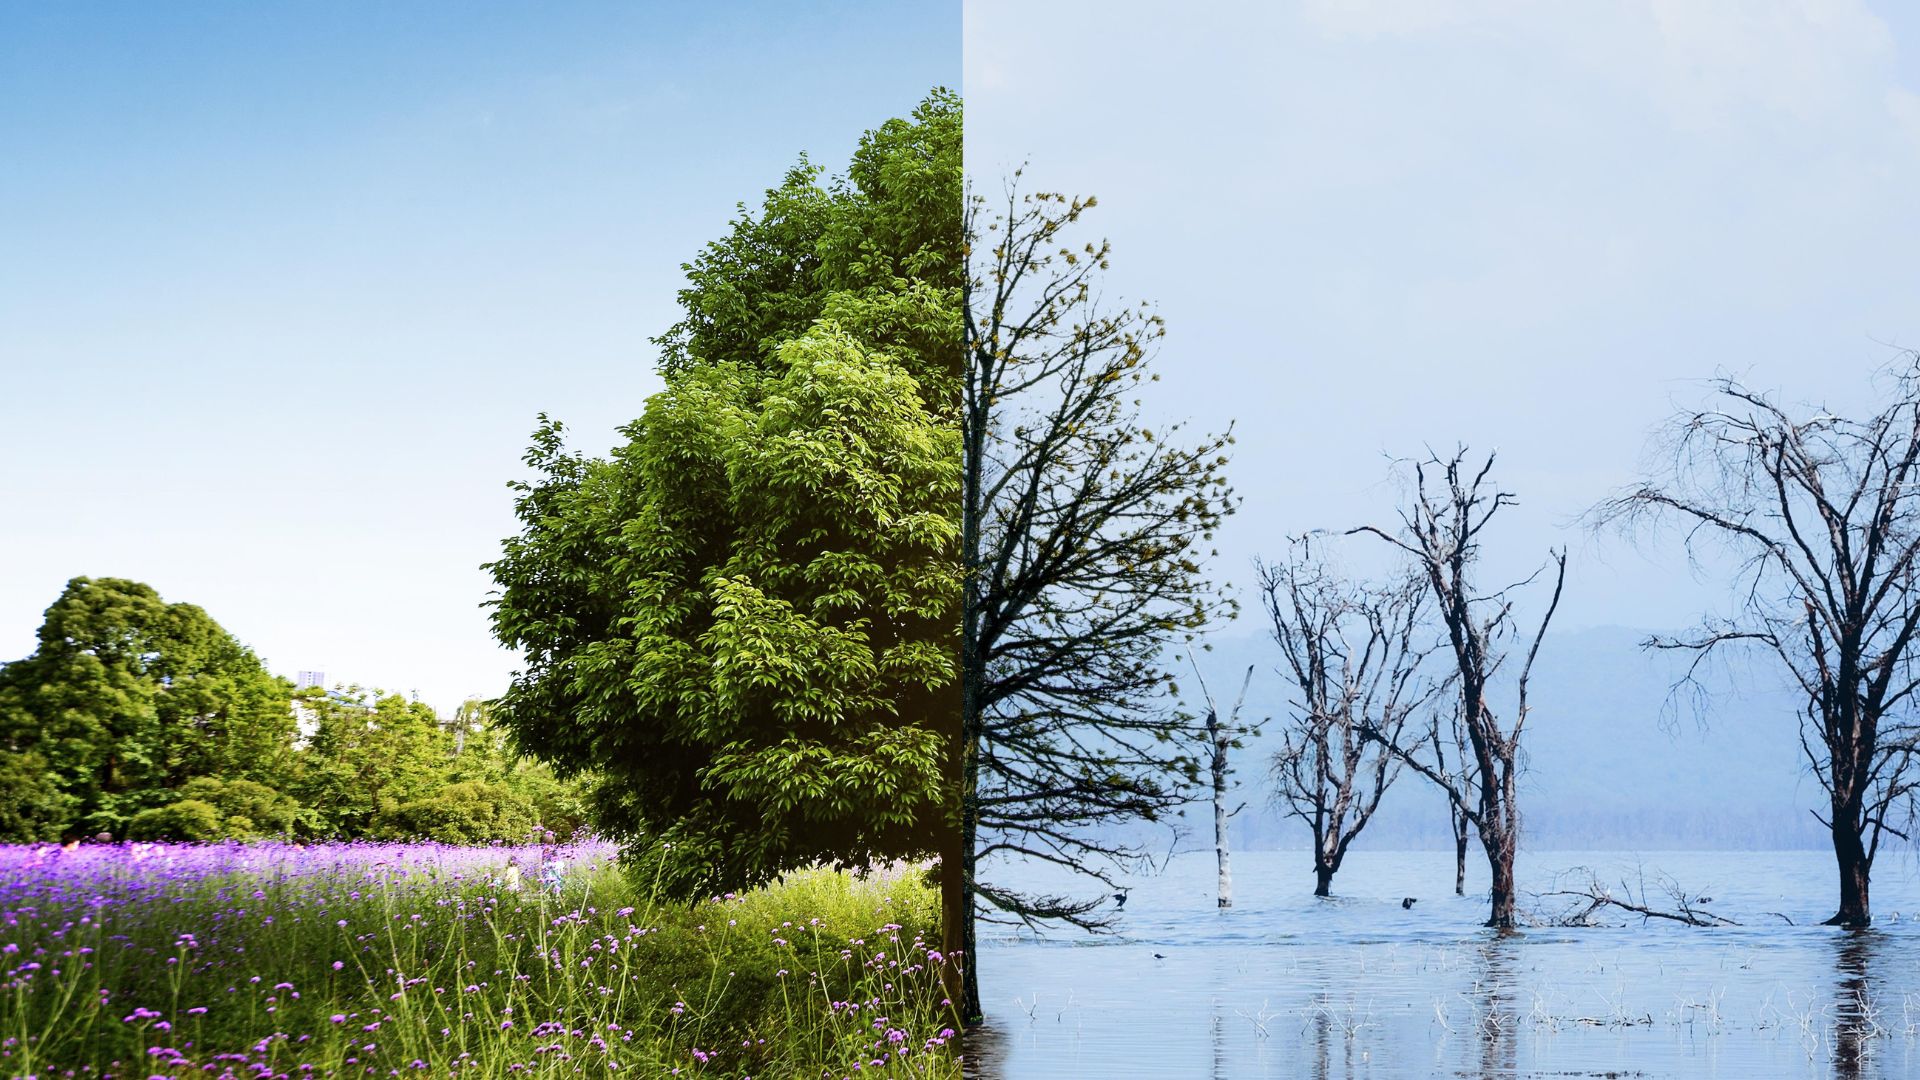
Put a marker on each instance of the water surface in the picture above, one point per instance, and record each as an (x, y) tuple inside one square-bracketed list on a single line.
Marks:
[(1287, 985)]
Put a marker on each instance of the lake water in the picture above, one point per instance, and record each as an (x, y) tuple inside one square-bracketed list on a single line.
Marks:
[(1286, 985)]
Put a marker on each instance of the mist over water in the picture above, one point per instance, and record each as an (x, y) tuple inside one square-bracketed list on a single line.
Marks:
[(1285, 985)]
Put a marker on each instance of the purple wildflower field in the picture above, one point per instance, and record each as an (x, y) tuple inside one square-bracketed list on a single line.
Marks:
[(276, 960)]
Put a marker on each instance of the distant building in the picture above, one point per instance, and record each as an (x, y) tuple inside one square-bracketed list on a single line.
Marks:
[(310, 678)]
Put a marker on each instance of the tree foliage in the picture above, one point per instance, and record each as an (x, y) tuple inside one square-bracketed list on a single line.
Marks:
[(144, 719), (1084, 532), (369, 753), (743, 618), (128, 697)]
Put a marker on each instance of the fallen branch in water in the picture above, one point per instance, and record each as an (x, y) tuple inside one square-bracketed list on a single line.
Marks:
[(1596, 895)]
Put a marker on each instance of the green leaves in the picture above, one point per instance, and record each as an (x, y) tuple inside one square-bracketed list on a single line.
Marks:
[(127, 697), (745, 617)]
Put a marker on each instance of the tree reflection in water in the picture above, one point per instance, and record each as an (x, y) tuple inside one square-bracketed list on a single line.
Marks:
[(1493, 1004), (1855, 1016)]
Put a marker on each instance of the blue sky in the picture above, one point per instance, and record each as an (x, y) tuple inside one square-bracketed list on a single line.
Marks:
[(282, 287), (1374, 225)]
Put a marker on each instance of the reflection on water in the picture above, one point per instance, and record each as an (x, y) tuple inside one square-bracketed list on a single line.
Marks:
[(1498, 1019), (1288, 986), (1856, 1021)]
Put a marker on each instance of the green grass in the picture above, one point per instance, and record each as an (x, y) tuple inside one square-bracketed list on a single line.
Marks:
[(413, 965)]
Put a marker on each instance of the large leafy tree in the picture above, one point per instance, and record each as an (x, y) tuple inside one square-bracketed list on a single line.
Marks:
[(126, 698), (744, 620)]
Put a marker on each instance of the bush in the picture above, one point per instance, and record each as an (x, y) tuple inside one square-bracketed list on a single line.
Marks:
[(207, 809), (249, 811), (469, 812), (188, 819)]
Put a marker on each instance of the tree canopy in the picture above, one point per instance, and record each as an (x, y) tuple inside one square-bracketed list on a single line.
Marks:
[(145, 719), (128, 697), (745, 617)]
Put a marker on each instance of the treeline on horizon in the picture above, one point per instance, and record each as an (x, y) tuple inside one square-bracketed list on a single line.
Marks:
[(140, 719)]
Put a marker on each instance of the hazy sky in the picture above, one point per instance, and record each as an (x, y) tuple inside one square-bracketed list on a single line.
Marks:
[(283, 286), (1375, 226)]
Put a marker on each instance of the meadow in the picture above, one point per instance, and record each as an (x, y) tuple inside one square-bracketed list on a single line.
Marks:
[(271, 960)]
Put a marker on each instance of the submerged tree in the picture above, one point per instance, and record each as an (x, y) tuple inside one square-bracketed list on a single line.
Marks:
[(1083, 529), (1222, 738), (1453, 760), (1822, 514), (1452, 506), (743, 622), (1354, 656)]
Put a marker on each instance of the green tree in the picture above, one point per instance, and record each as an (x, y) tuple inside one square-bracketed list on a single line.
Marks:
[(484, 754), (369, 753), (744, 620), (127, 697)]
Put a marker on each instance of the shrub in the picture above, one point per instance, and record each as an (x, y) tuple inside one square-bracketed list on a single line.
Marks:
[(188, 819), (469, 812)]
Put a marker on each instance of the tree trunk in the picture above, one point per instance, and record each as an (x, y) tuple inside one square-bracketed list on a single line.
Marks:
[(1322, 879), (1220, 814), (971, 1012), (1501, 914), (1855, 871), (953, 916), (1459, 854), (1225, 900)]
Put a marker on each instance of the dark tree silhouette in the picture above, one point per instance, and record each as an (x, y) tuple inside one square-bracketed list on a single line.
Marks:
[(1452, 506), (1083, 531), (1352, 653), (1822, 514)]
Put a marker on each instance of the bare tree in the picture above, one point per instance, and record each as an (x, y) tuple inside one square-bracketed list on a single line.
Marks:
[(1452, 506), (1351, 654), (1223, 737), (1447, 736), (1822, 517), (1083, 531)]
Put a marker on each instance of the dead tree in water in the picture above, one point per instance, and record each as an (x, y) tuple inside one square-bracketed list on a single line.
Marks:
[(1445, 737), (1441, 530), (1594, 895), (1222, 737), (1351, 655), (1824, 515)]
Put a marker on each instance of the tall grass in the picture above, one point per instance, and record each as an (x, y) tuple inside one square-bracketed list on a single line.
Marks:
[(386, 960)]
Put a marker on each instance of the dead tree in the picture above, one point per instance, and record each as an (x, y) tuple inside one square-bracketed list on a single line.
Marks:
[(1223, 737), (1447, 738), (1452, 506), (1822, 515), (1351, 655), (1591, 895)]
